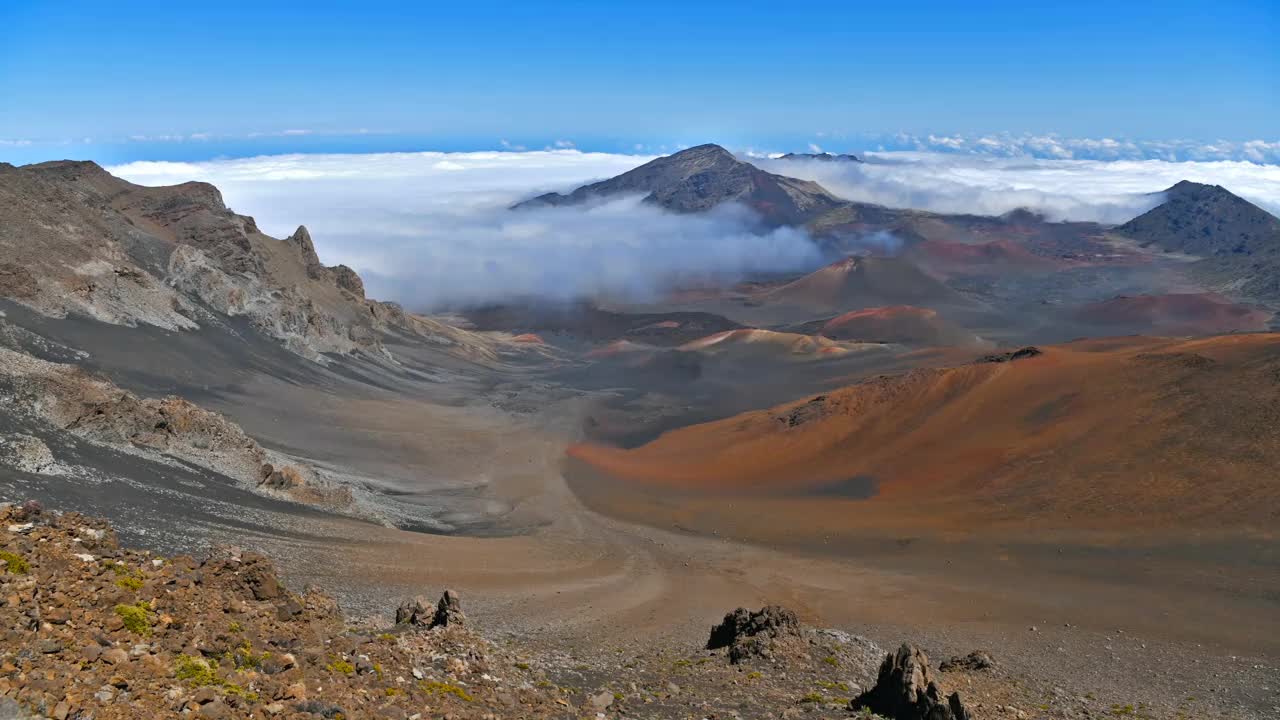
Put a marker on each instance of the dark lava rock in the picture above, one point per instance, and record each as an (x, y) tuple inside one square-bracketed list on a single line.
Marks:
[(1019, 354), (260, 577), (414, 612), (448, 611), (750, 634), (976, 660), (903, 691)]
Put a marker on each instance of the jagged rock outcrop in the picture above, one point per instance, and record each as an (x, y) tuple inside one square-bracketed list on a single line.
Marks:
[(750, 634), (1023, 353), (904, 691), (76, 240), (974, 661), (348, 280), (419, 612), (448, 611)]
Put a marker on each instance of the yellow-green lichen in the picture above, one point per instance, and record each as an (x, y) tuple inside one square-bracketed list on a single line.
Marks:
[(14, 564), (137, 617)]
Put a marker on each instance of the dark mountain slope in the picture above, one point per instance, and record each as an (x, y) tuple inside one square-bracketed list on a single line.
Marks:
[(1206, 220), (703, 177)]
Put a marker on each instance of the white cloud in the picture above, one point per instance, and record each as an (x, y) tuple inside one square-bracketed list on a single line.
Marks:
[(814, 148), (564, 144), (1103, 191), (1055, 147), (431, 228)]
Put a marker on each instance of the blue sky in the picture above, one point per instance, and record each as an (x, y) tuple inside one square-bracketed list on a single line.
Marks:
[(121, 81)]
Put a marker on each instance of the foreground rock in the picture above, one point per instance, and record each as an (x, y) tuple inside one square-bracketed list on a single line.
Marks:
[(750, 634), (89, 630), (904, 691)]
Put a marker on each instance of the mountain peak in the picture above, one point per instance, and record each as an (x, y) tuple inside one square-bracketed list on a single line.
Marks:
[(1206, 220), (1189, 189), (699, 178)]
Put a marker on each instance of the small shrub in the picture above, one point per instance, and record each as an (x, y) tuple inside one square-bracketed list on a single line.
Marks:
[(754, 675), (236, 691), (387, 637), (15, 564), (341, 666), (196, 671), (129, 582), (828, 685), (136, 617), (831, 660), (235, 627), (435, 687), (394, 692), (522, 666), (813, 697)]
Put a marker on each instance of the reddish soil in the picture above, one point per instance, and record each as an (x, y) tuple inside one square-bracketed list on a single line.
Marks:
[(896, 324), (1176, 314), (1120, 434)]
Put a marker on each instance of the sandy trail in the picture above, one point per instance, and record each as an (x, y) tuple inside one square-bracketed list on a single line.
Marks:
[(589, 585)]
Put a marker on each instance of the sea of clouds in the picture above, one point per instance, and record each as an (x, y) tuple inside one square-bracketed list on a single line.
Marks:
[(433, 229)]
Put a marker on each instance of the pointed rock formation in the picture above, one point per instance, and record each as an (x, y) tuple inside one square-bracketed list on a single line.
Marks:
[(904, 691)]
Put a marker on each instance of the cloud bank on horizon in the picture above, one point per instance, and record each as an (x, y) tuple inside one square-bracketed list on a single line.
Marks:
[(1088, 190), (1056, 147), (431, 229)]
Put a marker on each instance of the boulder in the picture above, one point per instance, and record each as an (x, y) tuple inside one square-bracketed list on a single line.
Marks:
[(418, 612), (751, 634), (976, 660), (448, 611), (414, 612), (904, 691)]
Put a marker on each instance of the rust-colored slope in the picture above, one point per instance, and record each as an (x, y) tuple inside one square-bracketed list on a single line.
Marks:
[(1107, 433), (863, 282), (1176, 314), (896, 324)]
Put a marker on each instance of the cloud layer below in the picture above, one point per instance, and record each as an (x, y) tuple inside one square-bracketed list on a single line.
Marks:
[(1057, 147), (430, 229), (1093, 190), (434, 229)]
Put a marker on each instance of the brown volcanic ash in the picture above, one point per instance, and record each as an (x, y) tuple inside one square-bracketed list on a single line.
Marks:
[(905, 324), (858, 282), (945, 258), (1127, 434), (1175, 314), (703, 177)]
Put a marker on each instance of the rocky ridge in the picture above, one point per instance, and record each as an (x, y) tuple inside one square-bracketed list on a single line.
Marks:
[(77, 240), (71, 399)]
